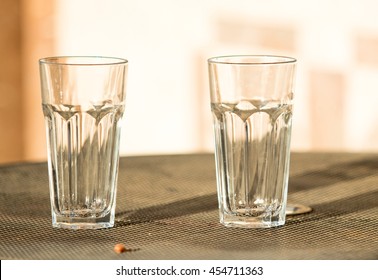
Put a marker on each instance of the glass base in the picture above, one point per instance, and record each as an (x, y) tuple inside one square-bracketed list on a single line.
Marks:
[(76, 226), (241, 221), (77, 223), (251, 222)]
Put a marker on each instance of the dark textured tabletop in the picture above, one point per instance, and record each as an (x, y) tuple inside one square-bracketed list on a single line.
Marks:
[(167, 209)]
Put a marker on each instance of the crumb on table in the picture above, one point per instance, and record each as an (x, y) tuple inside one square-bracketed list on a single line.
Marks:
[(119, 248)]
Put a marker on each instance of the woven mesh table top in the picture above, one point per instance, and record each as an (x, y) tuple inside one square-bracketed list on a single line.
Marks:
[(167, 209)]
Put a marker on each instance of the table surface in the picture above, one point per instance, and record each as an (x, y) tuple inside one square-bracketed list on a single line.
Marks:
[(167, 209)]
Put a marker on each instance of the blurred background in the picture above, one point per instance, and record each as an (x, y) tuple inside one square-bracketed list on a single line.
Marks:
[(167, 43)]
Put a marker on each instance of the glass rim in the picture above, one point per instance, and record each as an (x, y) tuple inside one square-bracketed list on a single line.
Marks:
[(252, 60), (83, 60)]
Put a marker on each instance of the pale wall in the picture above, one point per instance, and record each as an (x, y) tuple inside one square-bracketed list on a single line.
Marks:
[(167, 43)]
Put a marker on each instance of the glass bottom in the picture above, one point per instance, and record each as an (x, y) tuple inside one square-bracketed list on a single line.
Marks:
[(263, 221), (77, 223), (251, 222)]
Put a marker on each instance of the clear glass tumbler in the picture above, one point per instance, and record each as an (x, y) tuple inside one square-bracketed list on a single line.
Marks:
[(83, 102), (251, 103)]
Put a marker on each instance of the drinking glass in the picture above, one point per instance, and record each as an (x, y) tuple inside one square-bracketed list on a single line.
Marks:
[(83, 103), (252, 107)]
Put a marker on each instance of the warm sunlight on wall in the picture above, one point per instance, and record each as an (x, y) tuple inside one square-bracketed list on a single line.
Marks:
[(168, 42)]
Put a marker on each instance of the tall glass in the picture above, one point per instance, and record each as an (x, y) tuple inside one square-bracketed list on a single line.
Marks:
[(251, 103), (83, 103)]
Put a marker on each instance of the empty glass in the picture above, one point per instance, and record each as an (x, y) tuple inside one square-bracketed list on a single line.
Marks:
[(83, 102), (252, 106)]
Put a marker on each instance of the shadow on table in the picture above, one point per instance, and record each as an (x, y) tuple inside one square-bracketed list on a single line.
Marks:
[(170, 210), (325, 177)]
